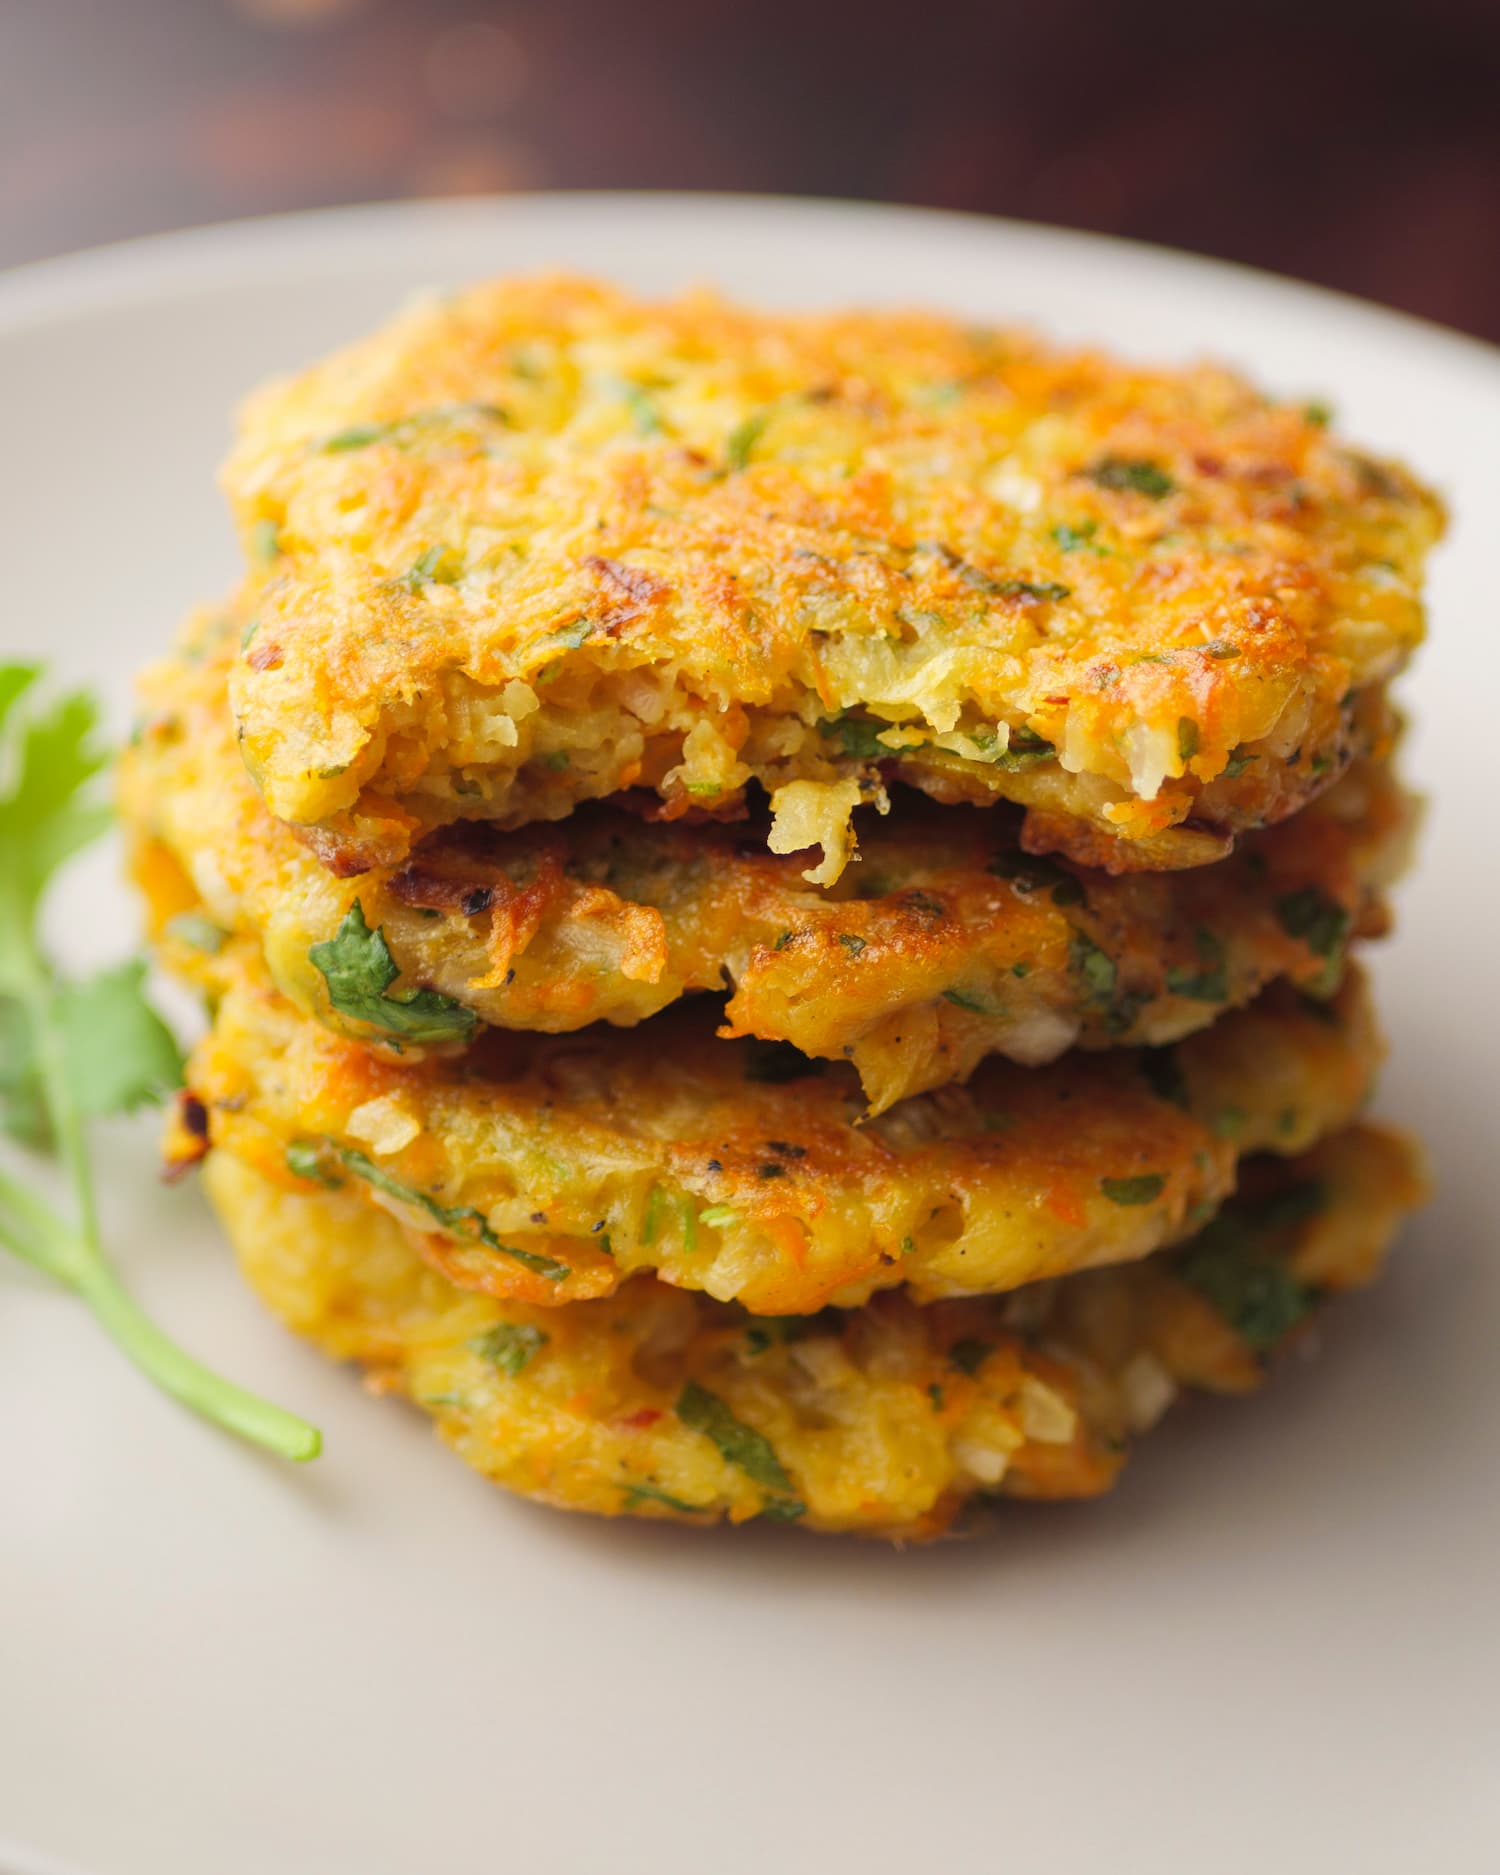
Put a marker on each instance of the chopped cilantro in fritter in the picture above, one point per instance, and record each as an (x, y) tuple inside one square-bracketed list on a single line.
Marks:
[(1209, 983), (359, 970), (1142, 1188), (1030, 873), (968, 1356), (738, 1444), (305, 1160), (510, 1346), (743, 438), (1313, 918), (462, 1221), (1131, 475), (856, 736), (1255, 1292)]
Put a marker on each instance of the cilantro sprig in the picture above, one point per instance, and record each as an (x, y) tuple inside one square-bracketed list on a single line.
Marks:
[(72, 1052)]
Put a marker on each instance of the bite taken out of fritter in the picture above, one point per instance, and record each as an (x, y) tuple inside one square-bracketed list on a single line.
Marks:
[(886, 1420), (552, 1168), (944, 944), (542, 542)]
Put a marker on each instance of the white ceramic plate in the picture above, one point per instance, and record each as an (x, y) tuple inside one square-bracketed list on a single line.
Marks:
[(1274, 1648)]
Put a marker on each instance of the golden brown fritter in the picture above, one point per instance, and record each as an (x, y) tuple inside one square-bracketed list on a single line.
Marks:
[(557, 1166), (540, 542), (945, 945), (885, 1420)]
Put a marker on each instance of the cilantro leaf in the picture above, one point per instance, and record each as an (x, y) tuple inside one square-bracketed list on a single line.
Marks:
[(510, 1346), (743, 438), (1318, 921), (23, 1107), (1210, 982), (1143, 1188), (738, 1444), (1255, 1292), (1126, 474), (463, 1221), (120, 1054), (357, 966), (969, 1355), (72, 1052)]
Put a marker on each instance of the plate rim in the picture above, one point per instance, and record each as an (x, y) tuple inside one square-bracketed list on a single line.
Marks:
[(82, 280)]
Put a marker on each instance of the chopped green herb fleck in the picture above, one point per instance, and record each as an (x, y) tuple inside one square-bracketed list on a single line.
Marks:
[(556, 759), (1028, 874), (1314, 919), (358, 968), (1221, 648), (653, 1215), (1210, 982), (438, 566), (856, 737), (851, 942), (717, 1214), (510, 1346), (737, 1443), (639, 1492), (742, 440), (463, 1221), (306, 1160), (265, 541), (1187, 738), (968, 1356), (357, 436), (1049, 590), (1094, 966), (1239, 760), (572, 636), (1256, 1293), (783, 1509), (1318, 412), (1130, 475), (963, 1000), (1143, 1188), (642, 410), (935, 1394), (1024, 746), (1079, 539)]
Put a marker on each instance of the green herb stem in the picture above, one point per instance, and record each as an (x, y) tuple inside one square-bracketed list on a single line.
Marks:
[(48, 1244)]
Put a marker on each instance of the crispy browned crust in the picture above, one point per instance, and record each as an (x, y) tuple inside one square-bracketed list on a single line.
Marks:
[(946, 942), (541, 541), (559, 1166), (886, 1420)]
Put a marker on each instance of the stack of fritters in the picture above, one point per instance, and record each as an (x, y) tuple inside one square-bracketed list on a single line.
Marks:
[(776, 891)]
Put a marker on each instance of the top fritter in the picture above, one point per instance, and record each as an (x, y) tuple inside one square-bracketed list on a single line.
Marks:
[(541, 542)]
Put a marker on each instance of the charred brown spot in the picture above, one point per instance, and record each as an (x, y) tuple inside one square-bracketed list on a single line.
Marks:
[(427, 890), (187, 1137), (630, 590), (264, 657)]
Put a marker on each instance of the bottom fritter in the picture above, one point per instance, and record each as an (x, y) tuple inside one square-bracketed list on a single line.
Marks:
[(886, 1419)]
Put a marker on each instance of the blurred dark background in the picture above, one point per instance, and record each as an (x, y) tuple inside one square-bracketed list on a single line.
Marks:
[(1355, 145)]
